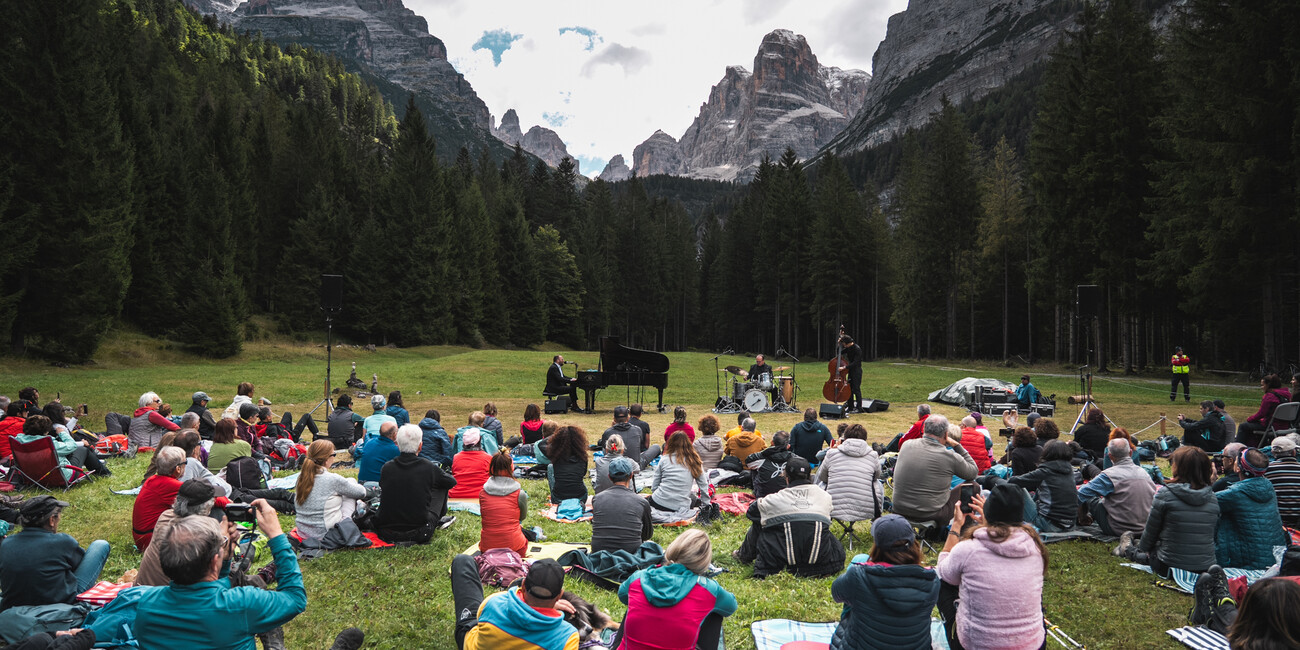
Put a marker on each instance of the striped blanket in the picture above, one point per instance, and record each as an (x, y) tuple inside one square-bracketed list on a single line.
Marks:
[(1199, 638), (1186, 580)]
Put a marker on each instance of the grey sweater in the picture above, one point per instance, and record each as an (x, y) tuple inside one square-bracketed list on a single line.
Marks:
[(710, 449), (323, 508), (672, 485), (923, 477), (620, 520)]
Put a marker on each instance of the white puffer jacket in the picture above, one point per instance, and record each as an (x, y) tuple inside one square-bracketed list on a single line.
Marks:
[(850, 471)]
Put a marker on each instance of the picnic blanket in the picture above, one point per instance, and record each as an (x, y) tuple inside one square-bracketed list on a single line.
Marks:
[(525, 460), (131, 492), (465, 505), (1186, 580), (613, 567), (539, 550), (284, 483), (552, 513), (375, 542), (1199, 638), (1080, 532), (773, 633), (735, 503), (102, 592)]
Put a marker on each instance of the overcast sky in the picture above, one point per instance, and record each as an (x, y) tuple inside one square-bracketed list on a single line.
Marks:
[(606, 75)]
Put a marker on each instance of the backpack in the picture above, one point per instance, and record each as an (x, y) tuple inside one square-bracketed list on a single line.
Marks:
[(114, 445), (246, 473), (290, 454), (499, 567)]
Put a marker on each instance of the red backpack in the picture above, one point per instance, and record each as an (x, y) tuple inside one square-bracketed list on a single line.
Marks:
[(500, 566)]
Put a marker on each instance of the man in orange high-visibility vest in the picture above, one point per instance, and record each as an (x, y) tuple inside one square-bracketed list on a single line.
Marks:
[(1180, 366)]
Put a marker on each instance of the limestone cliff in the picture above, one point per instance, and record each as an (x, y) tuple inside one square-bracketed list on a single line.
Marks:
[(616, 170)]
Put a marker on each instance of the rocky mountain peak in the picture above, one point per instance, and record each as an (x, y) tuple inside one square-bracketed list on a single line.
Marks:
[(659, 154), (509, 131), (547, 145), (616, 170)]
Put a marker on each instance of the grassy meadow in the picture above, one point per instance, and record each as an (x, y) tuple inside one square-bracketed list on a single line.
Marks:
[(401, 596)]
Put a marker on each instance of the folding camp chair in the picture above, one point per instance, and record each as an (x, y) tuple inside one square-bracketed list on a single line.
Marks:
[(1284, 413), (38, 464), (847, 535)]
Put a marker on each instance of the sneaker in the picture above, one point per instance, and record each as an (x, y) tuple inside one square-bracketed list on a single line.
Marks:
[(446, 522), (349, 639), (1219, 586), (1125, 543), (1203, 597), (267, 573)]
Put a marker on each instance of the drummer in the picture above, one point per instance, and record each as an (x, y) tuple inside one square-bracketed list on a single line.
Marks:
[(756, 373)]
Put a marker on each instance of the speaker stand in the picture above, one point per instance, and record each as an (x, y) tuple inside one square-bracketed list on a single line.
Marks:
[(329, 361)]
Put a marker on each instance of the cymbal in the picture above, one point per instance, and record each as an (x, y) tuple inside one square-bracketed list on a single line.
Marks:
[(735, 370), (782, 368)]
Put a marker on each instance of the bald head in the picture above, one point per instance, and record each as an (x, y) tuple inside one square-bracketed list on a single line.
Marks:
[(1118, 448), (388, 430)]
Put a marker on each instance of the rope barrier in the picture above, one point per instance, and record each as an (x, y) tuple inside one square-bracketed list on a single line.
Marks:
[(1199, 396), (1153, 424)]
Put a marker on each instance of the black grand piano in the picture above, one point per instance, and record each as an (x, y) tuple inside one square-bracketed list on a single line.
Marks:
[(624, 366)]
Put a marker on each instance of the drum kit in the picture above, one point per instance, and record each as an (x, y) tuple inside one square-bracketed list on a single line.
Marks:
[(759, 394)]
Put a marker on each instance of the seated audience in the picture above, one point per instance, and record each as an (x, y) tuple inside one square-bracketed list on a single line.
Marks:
[(156, 495), (917, 429), (674, 605), (808, 436), (10, 426), (528, 616), (30, 398), (503, 504), (634, 412), (1206, 433), (613, 449), (343, 426), (887, 595), (414, 493), (768, 466), (396, 409), (243, 395), (679, 469), (1045, 429), (851, 474), (1229, 424), (923, 474), (168, 440), (246, 427), (378, 452), (748, 441), (1231, 472), (635, 441), (1248, 433), (147, 424), (1119, 499), (1054, 504), (189, 442), (226, 446), (76, 453), (567, 451), (995, 570), (1179, 532), (790, 530), (1094, 433), (679, 423), (1025, 453), (620, 519), (194, 498), (487, 439), (1266, 618), (530, 430), (470, 467), (324, 499), (199, 407), (436, 444), (41, 566), (1122, 433), (976, 444), (1284, 474), (709, 444), (491, 423), (371, 425), (1249, 524)]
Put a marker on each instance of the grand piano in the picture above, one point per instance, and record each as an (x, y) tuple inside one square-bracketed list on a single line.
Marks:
[(624, 366)]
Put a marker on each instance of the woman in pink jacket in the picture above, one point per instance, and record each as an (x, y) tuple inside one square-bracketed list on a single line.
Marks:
[(977, 565)]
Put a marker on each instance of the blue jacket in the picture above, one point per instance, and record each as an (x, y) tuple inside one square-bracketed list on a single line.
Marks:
[(1249, 525), (506, 622), (378, 451), (885, 606), (213, 615), (398, 413), (437, 444)]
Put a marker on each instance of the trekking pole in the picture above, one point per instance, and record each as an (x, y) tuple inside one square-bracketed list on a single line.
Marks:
[(1058, 633)]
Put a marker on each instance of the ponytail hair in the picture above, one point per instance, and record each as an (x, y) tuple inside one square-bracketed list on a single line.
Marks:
[(317, 455)]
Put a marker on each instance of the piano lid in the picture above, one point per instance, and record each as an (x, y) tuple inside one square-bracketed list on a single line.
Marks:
[(615, 356)]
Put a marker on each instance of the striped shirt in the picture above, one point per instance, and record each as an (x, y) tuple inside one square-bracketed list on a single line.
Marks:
[(1284, 474)]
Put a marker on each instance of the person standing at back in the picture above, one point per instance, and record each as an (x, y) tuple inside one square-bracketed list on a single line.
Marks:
[(1180, 367)]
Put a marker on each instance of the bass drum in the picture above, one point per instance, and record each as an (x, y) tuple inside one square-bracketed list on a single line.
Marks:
[(755, 401)]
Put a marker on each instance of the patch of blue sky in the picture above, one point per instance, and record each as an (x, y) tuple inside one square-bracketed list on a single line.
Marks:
[(592, 37), (497, 42)]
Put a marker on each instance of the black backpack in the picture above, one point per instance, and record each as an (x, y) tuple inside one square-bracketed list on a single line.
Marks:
[(245, 473)]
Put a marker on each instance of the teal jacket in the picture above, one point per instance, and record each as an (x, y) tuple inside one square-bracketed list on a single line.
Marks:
[(1249, 525), (215, 616)]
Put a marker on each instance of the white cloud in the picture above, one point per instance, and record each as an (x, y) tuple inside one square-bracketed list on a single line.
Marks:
[(654, 67)]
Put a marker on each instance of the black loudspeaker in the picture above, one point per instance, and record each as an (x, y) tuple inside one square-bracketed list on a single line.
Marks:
[(831, 411), (331, 292), (1089, 300), (557, 405), (875, 405)]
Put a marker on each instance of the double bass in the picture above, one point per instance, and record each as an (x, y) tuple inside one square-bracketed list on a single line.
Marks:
[(836, 389)]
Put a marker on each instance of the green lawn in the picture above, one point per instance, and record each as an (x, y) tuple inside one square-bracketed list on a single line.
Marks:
[(401, 597)]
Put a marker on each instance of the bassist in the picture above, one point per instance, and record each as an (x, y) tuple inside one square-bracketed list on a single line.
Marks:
[(851, 359)]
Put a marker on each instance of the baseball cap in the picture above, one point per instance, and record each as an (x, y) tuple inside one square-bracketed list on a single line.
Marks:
[(620, 469), (201, 397), (545, 579), (892, 531), (1032, 418), (620, 411), (195, 491), (797, 468), (1284, 444), (471, 437), (36, 510)]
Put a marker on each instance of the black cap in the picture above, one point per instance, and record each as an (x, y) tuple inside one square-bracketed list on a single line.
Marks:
[(37, 510), (797, 468), (620, 411), (196, 492), (545, 580)]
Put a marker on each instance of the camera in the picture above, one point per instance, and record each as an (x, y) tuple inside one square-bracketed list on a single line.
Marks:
[(1006, 432), (241, 512)]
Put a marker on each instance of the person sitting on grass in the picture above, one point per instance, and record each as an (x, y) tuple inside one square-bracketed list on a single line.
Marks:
[(1249, 524), (70, 452), (790, 530), (1206, 433), (491, 423), (567, 451), (470, 467), (41, 566), (1231, 466), (11, 426), (808, 436), (378, 452), (1262, 617), (915, 431), (679, 423), (530, 615), (343, 426), (1025, 452), (1179, 532), (748, 441), (503, 504), (613, 449), (199, 407), (226, 446), (994, 572), (371, 426), (1054, 505), (1284, 474), (396, 409), (243, 395), (530, 430), (157, 494), (1116, 434), (324, 499), (976, 444), (674, 605), (740, 425), (620, 519), (436, 444), (709, 445), (147, 424), (1119, 499), (189, 442), (487, 440), (923, 475), (888, 594), (414, 493), (851, 474), (678, 470), (636, 443), (195, 498), (768, 466)]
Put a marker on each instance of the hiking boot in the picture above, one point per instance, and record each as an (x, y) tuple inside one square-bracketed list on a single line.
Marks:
[(267, 573), (1125, 543), (1219, 586), (349, 639), (445, 522), (1203, 598)]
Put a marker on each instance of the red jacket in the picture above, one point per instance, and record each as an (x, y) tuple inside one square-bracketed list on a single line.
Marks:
[(915, 432), (501, 523), (470, 469), (156, 495), (9, 427), (1272, 399), (975, 442)]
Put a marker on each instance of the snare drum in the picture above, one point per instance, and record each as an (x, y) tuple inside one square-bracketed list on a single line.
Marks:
[(764, 382), (787, 388)]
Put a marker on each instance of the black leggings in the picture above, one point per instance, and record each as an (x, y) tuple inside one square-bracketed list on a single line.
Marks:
[(86, 457), (305, 421)]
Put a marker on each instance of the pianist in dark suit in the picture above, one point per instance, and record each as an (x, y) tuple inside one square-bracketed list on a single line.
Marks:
[(558, 384)]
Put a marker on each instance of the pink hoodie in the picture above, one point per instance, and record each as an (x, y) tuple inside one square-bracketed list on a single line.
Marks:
[(1000, 589)]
